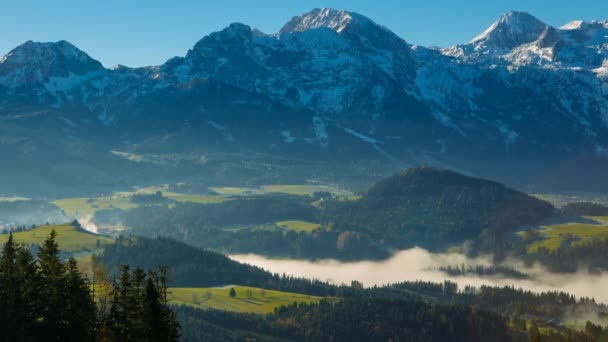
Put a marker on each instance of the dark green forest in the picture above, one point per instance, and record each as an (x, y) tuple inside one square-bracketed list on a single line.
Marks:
[(43, 298), (426, 306), (424, 207)]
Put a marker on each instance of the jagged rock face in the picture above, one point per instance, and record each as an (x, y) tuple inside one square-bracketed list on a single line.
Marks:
[(330, 80)]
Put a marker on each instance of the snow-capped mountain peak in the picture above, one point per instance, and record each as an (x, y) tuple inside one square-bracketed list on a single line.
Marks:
[(511, 30), (50, 54), (339, 69), (38, 72), (336, 20), (573, 25)]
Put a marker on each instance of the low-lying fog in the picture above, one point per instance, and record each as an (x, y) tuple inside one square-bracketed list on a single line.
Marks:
[(419, 264)]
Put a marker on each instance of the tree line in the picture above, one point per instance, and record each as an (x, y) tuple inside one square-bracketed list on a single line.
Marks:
[(44, 298)]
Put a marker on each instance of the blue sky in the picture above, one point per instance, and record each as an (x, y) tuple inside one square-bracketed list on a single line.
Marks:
[(148, 32)]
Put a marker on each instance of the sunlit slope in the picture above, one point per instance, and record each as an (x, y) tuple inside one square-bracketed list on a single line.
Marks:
[(570, 234), (69, 238), (247, 299)]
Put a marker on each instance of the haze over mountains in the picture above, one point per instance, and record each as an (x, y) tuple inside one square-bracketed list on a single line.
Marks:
[(329, 88)]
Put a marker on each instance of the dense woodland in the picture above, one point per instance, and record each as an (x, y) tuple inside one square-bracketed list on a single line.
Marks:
[(240, 211), (482, 270), (395, 213), (592, 256), (45, 298), (377, 317), (233, 227), (435, 208), (493, 308), (193, 267)]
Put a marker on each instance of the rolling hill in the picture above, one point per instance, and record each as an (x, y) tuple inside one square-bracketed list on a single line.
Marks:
[(70, 238), (434, 208)]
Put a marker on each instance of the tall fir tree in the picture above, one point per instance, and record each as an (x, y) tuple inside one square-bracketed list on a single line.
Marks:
[(51, 271)]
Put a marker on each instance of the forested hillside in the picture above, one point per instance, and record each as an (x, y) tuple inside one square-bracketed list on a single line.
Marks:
[(426, 207), (48, 299), (435, 208)]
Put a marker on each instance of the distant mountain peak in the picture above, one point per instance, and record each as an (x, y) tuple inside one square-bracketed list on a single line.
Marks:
[(33, 62), (30, 52), (336, 20), (511, 30), (573, 25)]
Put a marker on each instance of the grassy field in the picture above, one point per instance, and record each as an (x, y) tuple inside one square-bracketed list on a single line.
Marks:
[(69, 238), (248, 299), (86, 207), (83, 206), (603, 219), (577, 233), (298, 226)]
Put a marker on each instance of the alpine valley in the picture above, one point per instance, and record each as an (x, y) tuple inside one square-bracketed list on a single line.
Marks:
[(332, 96), (328, 182)]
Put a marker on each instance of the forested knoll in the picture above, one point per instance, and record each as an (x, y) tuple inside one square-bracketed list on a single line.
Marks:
[(432, 207)]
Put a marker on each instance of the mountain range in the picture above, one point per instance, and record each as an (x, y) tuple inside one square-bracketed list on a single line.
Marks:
[(332, 94)]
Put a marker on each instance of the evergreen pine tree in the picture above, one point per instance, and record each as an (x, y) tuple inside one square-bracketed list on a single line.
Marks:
[(79, 307), (9, 290), (26, 314), (51, 272)]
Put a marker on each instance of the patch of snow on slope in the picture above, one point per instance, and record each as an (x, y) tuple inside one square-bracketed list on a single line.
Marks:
[(601, 151), (378, 93), (222, 130), (363, 137), (384, 60), (63, 84), (287, 137), (320, 128), (182, 73), (105, 118), (324, 17), (573, 25), (509, 134), (446, 121)]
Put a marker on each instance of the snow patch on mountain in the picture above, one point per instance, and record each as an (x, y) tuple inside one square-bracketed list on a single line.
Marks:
[(72, 81), (223, 130), (510, 30), (336, 20), (287, 137), (510, 136), (320, 128), (363, 137)]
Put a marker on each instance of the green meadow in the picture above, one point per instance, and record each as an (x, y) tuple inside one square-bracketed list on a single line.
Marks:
[(247, 299), (69, 238), (578, 233)]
